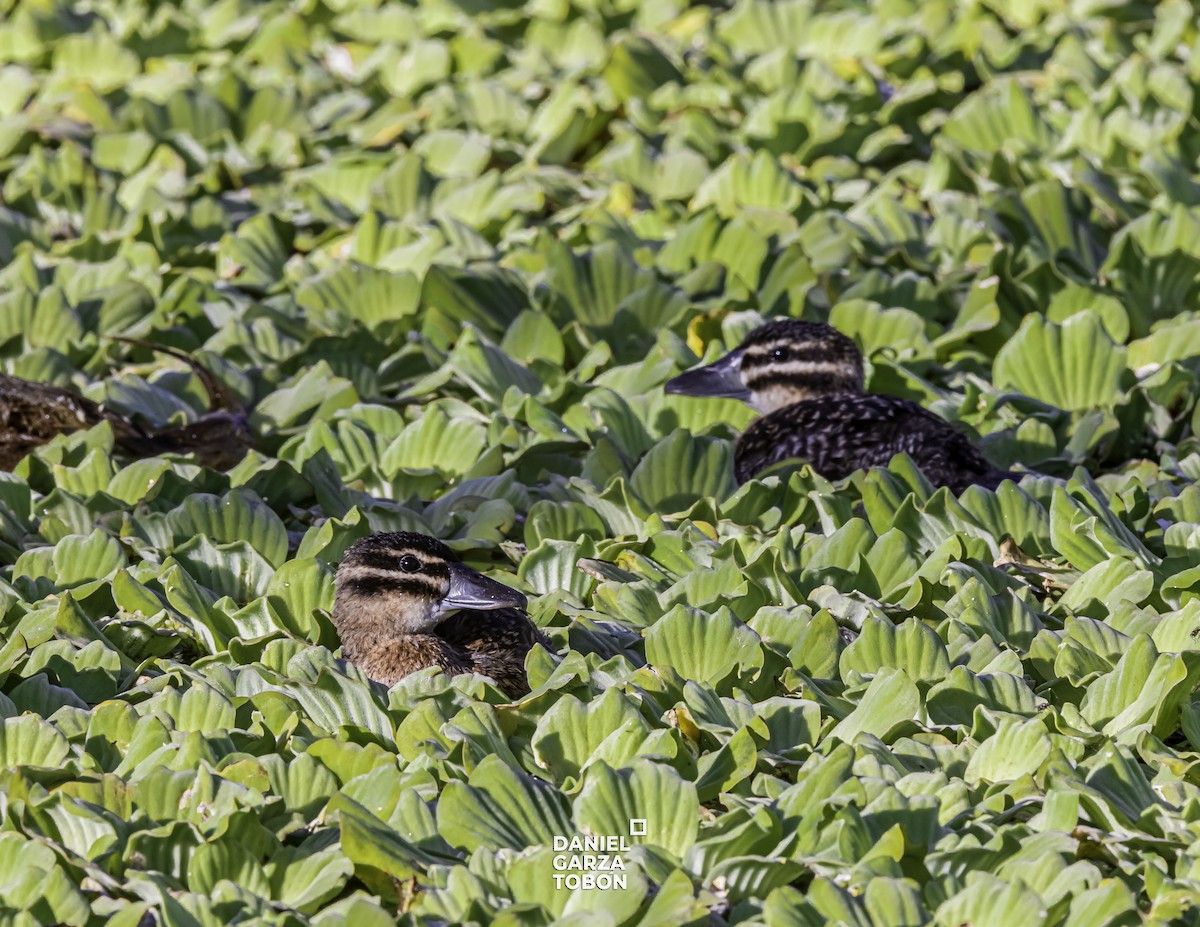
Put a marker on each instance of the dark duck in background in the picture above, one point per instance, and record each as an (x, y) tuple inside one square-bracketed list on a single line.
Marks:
[(33, 414), (807, 380), (404, 602)]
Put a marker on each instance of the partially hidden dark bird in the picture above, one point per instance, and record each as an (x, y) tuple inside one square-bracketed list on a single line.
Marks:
[(405, 602), (32, 414), (807, 380)]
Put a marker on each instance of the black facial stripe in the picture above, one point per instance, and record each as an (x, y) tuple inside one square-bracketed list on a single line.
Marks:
[(402, 583), (820, 381), (793, 330), (390, 560), (787, 353)]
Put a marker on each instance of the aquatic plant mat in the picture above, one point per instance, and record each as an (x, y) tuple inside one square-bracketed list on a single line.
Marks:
[(446, 254)]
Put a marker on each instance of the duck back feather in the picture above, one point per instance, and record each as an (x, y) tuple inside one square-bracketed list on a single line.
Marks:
[(840, 434)]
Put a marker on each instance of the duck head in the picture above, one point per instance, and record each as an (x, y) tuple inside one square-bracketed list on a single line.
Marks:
[(779, 364), (399, 582)]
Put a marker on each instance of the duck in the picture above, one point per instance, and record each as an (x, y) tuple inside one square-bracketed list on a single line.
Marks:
[(33, 414), (806, 378), (403, 602)]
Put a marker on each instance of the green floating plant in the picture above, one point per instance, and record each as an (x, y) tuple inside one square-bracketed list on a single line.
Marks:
[(443, 257)]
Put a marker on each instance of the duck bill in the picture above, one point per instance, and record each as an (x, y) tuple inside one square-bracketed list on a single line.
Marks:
[(721, 379), (470, 589)]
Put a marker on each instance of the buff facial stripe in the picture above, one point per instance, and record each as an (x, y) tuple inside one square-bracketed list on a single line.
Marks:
[(371, 584), (797, 367)]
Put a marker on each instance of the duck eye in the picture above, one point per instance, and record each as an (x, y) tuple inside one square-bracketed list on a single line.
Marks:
[(777, 354), (409, 564)]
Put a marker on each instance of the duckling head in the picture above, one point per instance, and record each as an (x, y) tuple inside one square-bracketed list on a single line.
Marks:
[(780, 363), (399, 582)]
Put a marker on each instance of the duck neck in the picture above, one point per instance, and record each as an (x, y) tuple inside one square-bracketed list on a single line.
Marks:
[(389, 659), (780, 396)]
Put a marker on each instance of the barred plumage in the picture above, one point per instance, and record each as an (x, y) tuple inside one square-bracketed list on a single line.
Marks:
[(841, 434), (807, 379)]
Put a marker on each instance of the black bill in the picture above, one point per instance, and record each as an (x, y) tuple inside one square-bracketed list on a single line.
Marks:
[(471, 589), (719, 379)]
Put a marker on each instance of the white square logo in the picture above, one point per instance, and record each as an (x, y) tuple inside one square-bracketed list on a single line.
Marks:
[(637, 827)]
